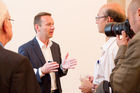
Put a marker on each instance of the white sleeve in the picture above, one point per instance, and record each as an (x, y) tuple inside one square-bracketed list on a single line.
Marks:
[(35, 70), (98, 73), (40, 73)]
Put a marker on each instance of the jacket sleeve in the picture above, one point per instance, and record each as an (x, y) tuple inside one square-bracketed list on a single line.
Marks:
[(24, 52), (126, 74), (23, 78)]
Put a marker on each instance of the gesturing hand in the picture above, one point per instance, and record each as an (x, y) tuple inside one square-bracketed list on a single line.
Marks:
[(69, 64)]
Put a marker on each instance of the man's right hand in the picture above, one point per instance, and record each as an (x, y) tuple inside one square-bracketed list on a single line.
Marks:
[(122, 41), (49, 67)]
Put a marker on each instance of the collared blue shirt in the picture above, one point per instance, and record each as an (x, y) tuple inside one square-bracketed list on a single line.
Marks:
[(1, 44)]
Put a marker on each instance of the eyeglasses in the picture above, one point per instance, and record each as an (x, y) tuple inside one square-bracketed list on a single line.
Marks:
[(99, 17), (11, 19)]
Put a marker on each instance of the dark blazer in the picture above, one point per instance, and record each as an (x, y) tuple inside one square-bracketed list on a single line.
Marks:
[(125, 77), (32, 50), (16, 74)]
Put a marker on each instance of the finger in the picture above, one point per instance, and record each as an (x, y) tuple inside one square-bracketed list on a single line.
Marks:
[(83, 91), (128, 38), (54, 70), (67, 55), (96, 86), (72, 60), (73, 64), (54, 62), (82, 79), (65, 58), (123, 34), (118, 37), (54, 66), (71, 67), (91, 78), (80, 87)]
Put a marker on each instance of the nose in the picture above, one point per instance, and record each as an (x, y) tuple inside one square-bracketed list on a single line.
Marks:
[(52, 27), (97, 22)]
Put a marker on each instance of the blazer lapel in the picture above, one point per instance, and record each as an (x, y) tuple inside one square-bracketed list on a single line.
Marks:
[(38, 51)]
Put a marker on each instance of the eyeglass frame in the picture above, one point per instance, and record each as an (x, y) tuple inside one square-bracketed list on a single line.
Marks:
[(11, 19), (99, 17)]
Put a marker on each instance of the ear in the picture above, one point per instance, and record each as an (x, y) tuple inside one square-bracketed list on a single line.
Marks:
[(138, 13), (5, 26), (109, 19), (37, 27)]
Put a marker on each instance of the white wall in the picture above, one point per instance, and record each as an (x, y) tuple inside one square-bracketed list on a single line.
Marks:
[(121, 2), (127, 4), (76, 32)]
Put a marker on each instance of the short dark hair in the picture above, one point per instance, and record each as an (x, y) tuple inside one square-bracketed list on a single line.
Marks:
[(37, 18), (116, 16)]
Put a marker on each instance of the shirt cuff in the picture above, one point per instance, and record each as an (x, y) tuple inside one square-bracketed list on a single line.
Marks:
[(35, 70), (61, 67), (40, 73)]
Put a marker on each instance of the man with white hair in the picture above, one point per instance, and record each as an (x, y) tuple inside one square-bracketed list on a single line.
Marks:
[(16, 73)]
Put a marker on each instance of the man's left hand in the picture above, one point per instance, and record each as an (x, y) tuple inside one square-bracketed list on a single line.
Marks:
[(69, 64)]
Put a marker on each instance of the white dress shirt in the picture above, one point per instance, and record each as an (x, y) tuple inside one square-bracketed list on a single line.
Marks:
[(48, 57), (105, 64)]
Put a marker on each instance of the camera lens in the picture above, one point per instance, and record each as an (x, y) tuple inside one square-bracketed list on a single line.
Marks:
[(113, 29), (108, 29)]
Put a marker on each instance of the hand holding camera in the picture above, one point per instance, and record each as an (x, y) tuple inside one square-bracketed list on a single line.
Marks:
[(122, 40)]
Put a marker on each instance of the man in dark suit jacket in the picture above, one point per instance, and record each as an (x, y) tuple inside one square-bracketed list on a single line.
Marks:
[(16, 73), (45, 55)]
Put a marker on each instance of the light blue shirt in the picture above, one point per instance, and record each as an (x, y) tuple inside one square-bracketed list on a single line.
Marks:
[(1, 44)]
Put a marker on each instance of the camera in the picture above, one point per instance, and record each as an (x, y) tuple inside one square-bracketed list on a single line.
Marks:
[(113, 29)]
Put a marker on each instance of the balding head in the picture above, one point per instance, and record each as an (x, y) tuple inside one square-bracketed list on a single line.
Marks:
[(134, 5), (115, 11), (3, 13), (111, 12), (134, 15)]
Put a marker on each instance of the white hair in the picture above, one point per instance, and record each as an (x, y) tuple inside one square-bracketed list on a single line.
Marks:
[(3, 12)]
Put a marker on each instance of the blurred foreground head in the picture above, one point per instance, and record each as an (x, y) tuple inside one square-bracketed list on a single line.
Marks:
[(134, 15), (5, 24)]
